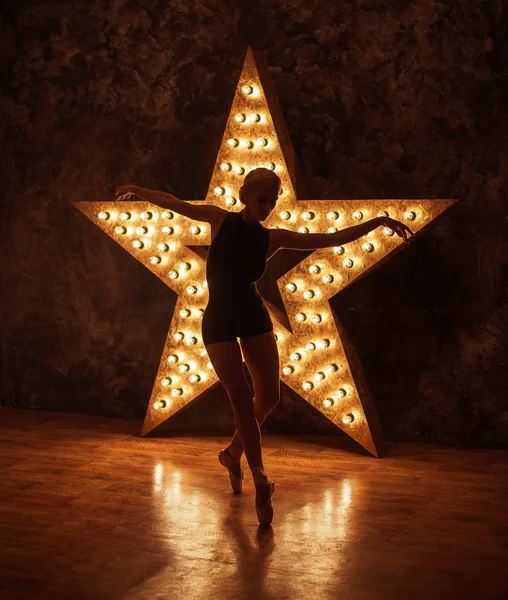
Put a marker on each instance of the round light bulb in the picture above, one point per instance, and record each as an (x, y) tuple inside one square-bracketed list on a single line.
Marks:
[(219, 191), (285, 215), (410, 215), (271, 166), (240, 118), (333, 215), (338, 249), (295, 356), (177, 392), (300, 317), (137, 244), (327, 402), (178, 336), (327, 278), (125, 216), (163, 247), (155, 260), (233, 142), (358, 215), (146, 215), (314, 269), (317, 318), (159, 404), (167, 229), (308, 294), (166, 381), (185, 312), (185, 266), (308, 385), (368, 247), (348, 263), (308, 216), (141, 230), (120, 230), (194, 229), (310, 346), (255, 117), (172, 359), (104, 215), (288, 370), (291, 287), (303, 230), (239, 170), (247, 89), (226, 166), (173, 274), (191, 289), (349, 418), (262, 142)]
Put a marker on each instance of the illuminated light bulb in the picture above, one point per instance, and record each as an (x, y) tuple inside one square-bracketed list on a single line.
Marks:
[(172, 359), (332, 368), (103, 215), (348, 263), (303, 230), (191, 289), (192, 340), (125, 216), (167, 214), (324, 343), (319, 376), (184, 368), (195, 229), (368, 247), (308, 216), (155, 260), (163, 247), (137, 244), (338, 249), (271, 166), (300, 317), (295, 356), (285, 215), (194, 378), (358, 215), (247, 89), (333, 215), (219, 191), (166, 381), (185, 312), (177, 392), (310, 346), (341, 393), (317, 319), (314, 269), (185, 266), (205, 284), (288, 370), (308, 294), (388, 231), (332, 230), (146, 215), (233, 142), (382, 213), (231, 201), (167, 229), (159, 404), (173, 275), (327, 278), (410, 215), (246, 144), (255, 117), (226, 166), (141, 230), (178, 336), (239, 170), (327, 402), (240, 118), (209, 365), (349, 418), (308, 385), (121, 230), (262, 142), (291, 287), (200, 312)]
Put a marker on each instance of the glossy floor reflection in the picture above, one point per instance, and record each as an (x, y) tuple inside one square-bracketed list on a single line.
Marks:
[(90, 510)]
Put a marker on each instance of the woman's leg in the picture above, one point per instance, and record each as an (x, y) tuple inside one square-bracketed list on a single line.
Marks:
[(262, 358), (226, 359)]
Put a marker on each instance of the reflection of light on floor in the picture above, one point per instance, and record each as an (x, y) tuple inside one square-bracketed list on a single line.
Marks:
[(158, 472)]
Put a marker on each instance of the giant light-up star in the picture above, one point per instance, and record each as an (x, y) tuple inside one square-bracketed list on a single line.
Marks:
[(318, 361)]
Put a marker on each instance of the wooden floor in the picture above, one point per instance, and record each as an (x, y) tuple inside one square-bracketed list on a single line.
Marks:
[(88, 510)]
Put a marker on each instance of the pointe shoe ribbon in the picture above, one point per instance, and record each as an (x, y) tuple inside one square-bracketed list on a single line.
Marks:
[(228, 461)]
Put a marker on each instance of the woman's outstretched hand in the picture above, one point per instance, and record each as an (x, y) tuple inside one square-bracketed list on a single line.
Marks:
[(124, 192), (401, 229)]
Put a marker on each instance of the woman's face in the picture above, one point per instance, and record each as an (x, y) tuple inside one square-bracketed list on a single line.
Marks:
[(261, 200)]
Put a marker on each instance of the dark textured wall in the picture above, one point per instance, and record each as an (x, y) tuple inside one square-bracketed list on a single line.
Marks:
[(382, 100)]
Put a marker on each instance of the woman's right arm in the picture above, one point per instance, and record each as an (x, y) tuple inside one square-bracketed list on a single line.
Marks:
[(198, 212)]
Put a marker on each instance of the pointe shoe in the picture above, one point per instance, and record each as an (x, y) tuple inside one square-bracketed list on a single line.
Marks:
[(228, 461), (265, 510)]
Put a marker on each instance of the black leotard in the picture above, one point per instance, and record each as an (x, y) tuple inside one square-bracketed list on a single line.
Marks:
[(236, 261)]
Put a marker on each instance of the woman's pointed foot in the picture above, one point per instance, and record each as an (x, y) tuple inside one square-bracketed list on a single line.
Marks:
[(234, 468)]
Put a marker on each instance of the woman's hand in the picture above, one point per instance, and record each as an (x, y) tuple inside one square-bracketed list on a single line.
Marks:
[(124, 192), (400, 228)]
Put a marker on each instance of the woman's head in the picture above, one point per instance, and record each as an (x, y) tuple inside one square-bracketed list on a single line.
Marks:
[(259, 193)]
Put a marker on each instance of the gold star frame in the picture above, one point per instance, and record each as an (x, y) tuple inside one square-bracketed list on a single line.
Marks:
[(318, 361)]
